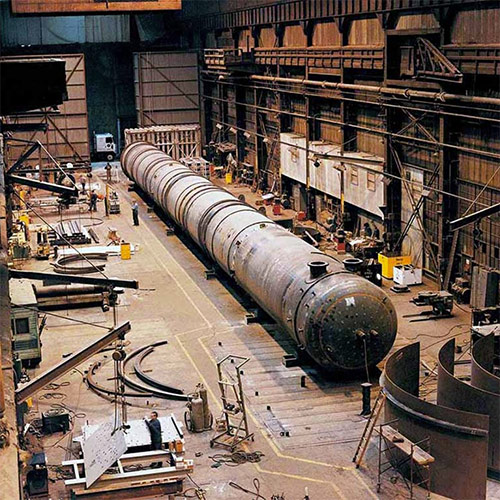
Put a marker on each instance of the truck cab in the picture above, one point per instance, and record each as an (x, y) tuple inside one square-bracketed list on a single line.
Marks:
[(104, 147)]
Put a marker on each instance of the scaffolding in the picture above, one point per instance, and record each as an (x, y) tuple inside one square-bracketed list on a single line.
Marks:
[(404, 456)]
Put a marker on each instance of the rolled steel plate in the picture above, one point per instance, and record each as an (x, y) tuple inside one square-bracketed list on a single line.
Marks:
[(458, 439), (455, 393)]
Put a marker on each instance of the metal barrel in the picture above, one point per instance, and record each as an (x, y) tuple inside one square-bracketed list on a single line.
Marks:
[(340, 319)]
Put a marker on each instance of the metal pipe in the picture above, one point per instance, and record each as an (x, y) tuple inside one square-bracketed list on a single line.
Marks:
[(67, 290), (176, 396), (146, 378), (323, 313), (425, 143), (406, 93)]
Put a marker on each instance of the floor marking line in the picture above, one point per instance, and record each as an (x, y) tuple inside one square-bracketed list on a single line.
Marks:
[(176, 281), (362, 481), (203, 379), (302, 478), (269, 440), (172, 258)]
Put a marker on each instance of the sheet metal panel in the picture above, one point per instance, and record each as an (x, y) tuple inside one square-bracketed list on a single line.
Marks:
[(369, 192), (483, 355), (166, 88), (458, 439), (101, 450), (293, 156), (455, 393), (326, 177), (67, 137), (138, 434)]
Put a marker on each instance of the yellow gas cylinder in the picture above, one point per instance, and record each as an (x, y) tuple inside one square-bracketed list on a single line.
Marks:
[(125, 250), (24, 217), (229, 178)]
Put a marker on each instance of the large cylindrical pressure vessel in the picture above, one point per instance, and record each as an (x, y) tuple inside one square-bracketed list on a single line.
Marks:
[(340, 319)]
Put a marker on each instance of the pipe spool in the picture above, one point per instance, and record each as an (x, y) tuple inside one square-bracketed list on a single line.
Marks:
[(330, 313)]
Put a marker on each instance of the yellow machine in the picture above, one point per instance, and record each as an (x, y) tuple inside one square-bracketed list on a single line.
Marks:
[(388, 263), (42, 243)]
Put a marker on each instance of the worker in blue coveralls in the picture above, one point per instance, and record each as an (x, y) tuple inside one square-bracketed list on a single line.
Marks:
[(154, 427)]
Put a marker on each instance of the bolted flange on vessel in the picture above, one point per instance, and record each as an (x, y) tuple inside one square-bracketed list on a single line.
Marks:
[(340, 319)]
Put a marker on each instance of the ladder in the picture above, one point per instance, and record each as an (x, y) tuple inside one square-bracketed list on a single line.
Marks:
[(368, 431), (236, 429)]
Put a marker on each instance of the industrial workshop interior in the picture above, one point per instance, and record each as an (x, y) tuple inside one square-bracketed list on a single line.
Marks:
[(250, 249)]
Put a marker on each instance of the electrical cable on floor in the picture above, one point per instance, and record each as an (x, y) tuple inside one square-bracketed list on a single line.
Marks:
[(196, 492), (256, 494), (445, 337), (438, 336), (237, 458)]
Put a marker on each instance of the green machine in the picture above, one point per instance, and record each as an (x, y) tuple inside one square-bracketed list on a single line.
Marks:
[(24, 322)]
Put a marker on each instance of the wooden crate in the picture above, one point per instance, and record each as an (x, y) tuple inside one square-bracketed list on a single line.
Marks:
[(178, 141)]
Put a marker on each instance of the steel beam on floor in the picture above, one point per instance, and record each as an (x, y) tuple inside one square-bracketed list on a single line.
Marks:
[(66, 278), (31, 388)]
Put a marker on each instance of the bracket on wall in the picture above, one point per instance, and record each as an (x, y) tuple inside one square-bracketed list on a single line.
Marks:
[(432, 64)]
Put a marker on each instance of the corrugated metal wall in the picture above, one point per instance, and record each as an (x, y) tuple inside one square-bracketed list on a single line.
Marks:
[(329, 110), (326, 34), (67, 137), (267, 38), (417, 21), (56, 30), (294, 36), (476, 26), (369, 117), (366, 32), (166, 85), (246, 40)]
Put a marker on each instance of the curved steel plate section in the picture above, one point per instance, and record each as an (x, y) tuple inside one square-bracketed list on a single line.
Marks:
[(458, 439), (455, 393), (326, 315), (484, 352)]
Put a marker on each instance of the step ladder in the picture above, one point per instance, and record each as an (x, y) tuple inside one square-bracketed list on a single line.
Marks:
[(234, 414), (369, 427)]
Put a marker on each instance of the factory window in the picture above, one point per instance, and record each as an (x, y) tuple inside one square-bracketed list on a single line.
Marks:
[(22, 326), (370, 181), (496, 252), (354, 176)]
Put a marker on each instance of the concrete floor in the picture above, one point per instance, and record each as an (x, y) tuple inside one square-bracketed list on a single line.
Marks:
[(204, 320)]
